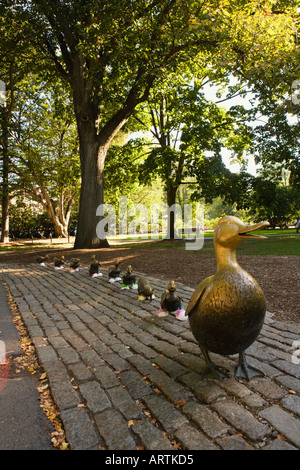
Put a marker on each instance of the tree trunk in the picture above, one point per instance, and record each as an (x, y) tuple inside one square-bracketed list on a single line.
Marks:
[(60, 227), (5, 208), (92, 156), (94, 144), (64, 215), (5, 187), (171, 199)]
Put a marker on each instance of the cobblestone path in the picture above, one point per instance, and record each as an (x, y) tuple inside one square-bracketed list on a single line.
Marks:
[(124, 378)]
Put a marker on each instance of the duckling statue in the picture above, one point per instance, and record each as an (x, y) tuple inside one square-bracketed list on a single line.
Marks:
[(74, 265), (129, 279), (171, 302), (145, 290), (226, 311), (41, 260), (59, 263), (94, 267), (114, 272)]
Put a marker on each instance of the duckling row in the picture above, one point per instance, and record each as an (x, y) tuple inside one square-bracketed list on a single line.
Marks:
[(170, 301)]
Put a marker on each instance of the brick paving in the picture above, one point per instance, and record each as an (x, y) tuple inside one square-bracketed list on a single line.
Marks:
[(124, 379)]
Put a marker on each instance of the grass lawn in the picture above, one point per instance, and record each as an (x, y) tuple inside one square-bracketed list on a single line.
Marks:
[(271, 246), (278, 242), (286, 245), (286, 242)]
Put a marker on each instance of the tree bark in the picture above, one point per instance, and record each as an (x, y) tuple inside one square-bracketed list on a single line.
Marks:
[(5, 184), (171, 199), (6, 161), (5, 199), (60, 227), (64, 214), (91, 195)]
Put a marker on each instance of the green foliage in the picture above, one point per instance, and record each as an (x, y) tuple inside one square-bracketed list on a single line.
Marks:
[(276, 146), (45, 140), (26, 221), (112, 53), (276, 203), (188, 132), (263, 198), (121, 171)]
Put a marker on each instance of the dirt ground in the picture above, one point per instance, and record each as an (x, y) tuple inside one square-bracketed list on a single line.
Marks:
[(279, 276)]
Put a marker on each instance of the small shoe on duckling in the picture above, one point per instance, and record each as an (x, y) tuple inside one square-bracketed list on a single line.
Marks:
[(162, 313), (180, 315)]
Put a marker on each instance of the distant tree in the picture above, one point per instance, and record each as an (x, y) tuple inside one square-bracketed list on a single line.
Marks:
[(277, 203), (188, 132), (18, 58), (10, 73), (5, 116), (45, 164), (26, 221)]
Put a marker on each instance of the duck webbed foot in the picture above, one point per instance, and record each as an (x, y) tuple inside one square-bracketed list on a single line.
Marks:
[(245, 371), (212, 371)]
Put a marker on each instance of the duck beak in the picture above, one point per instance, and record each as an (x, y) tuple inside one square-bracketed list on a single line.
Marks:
[(245, 229)]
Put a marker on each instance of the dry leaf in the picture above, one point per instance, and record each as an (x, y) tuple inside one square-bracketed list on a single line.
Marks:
[(42, 388), (180, 402), (176, 444)]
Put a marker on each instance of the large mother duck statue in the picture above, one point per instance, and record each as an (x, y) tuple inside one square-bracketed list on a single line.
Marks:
[(226, 311)]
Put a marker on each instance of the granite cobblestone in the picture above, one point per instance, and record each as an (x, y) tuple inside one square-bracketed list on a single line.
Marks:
[(124, 378)]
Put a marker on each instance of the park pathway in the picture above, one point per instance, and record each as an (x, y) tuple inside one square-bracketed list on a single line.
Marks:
[(124, 379)]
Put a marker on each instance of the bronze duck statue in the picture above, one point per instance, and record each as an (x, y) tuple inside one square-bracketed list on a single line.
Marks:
[(145, 290), (226, 311), (94, 267), (171, 303), (114, 272), (74, 265), (41, 260), (129, 279), (59, 263)]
